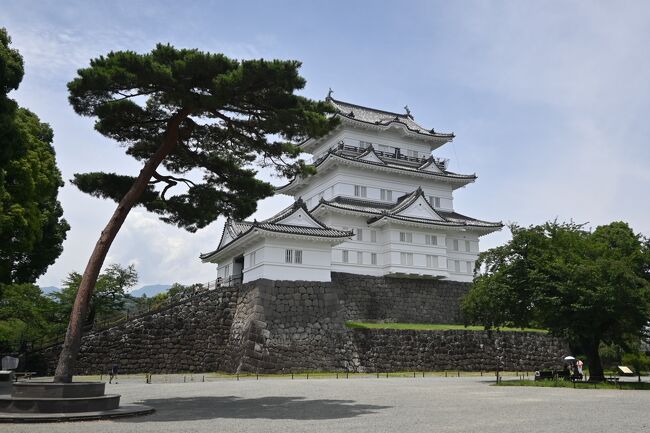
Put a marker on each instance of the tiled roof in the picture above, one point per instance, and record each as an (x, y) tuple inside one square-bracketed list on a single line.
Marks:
[(390, 164), (239, 229), (293, 229), (377, 210), (387, 164), (384, 118)]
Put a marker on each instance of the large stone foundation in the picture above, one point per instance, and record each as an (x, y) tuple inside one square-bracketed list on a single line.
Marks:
[(275, 326)]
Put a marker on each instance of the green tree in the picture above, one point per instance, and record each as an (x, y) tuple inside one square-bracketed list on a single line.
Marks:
[(108, 297), (204, 119), (32, 229), (26, 314), (587, 287)]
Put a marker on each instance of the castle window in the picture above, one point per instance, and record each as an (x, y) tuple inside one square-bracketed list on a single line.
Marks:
[(359, 257), (346, 256), (455, 245), (432, 261), (412, 153), (373, 236), (384, 148), (359, 234), (470, 266), (467, 246), (386, 195), (252, 259), (226, 271), (457, 266), (434, 201), (373, 258), (431, 239), (288, 256), (406, 259), (364, 144), (405, 237), (297, 256), (359, 191)]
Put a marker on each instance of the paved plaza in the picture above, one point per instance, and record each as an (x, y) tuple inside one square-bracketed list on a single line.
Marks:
[(402, 405)]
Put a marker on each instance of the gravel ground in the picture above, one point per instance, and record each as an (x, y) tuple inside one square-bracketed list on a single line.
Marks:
[(403, 405)]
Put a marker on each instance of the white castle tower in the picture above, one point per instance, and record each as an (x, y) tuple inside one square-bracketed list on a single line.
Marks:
[(379, 204)]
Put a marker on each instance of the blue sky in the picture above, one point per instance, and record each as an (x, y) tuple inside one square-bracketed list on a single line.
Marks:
[(549, 100)]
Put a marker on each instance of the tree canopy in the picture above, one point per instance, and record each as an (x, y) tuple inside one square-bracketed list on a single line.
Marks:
[(231, 114), (203, 118), (108, 297), (32, 229), (585, 286)]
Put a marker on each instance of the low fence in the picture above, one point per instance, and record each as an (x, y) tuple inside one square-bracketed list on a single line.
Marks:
[(109, 322)]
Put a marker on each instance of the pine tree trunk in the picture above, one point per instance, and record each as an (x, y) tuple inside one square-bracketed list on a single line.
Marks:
[(72, 342)]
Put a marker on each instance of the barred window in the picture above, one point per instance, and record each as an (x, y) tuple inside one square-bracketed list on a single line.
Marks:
[(386, 195), (406, 237), (434, 201), (373, 258), (359, 234), (431, 239), (359, 191), (288, 256), (298, 256), (406, 259)]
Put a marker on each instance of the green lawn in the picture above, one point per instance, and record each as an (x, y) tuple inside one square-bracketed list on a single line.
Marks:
[(431, 327), (581, 385)]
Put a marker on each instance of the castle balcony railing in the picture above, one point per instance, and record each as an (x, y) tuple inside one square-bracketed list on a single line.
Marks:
[(397, 156)]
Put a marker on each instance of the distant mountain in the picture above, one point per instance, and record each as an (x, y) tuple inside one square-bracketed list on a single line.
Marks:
[(150, 290), (50, 289)]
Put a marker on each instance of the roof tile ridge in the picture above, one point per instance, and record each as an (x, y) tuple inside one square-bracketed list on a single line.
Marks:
[(363, 107)]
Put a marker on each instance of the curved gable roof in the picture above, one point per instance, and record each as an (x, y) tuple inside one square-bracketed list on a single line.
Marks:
[(373, 116)]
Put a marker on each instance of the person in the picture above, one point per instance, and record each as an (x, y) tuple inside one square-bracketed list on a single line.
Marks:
[(579, 364), (113, 374)]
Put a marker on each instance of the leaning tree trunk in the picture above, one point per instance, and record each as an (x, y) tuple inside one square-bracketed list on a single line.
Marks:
[(72, 342)]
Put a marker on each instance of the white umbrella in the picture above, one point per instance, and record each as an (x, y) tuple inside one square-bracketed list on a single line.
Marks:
[(569, 358)]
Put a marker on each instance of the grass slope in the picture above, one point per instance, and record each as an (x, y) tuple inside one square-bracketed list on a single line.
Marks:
[(431, 327)]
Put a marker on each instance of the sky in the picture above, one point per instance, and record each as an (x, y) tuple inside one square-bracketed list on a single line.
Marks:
[(549, 101)]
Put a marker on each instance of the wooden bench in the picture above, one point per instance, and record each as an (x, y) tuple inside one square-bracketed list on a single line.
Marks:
[(24, 375)]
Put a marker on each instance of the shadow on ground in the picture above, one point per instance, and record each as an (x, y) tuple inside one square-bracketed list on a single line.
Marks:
[(297, 408)]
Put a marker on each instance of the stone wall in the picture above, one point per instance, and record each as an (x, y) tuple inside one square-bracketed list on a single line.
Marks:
[(275, 326), (192, 335), (410, 300)]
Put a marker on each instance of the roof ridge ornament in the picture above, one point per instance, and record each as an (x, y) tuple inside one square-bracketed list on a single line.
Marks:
[(408, 112), (329, 94)]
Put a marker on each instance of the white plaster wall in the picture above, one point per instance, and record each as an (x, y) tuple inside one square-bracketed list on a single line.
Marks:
[(340, 182), (270, 263)]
